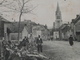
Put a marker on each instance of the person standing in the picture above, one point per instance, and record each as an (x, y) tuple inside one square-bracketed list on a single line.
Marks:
[(39, 44), (25, 42), (71, 40)]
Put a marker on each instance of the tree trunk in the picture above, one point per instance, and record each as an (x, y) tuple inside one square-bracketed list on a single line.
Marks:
[(19, 26)]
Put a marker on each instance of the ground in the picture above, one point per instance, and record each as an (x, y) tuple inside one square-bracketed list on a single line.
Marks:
[(61, 50)]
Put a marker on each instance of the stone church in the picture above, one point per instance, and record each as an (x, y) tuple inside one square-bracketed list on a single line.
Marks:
[(57, 23)]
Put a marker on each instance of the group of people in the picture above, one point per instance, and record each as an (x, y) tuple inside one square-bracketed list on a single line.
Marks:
[(11, 50)]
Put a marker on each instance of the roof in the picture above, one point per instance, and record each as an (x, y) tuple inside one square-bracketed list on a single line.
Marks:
[(4, 20), (29, 24), (76, 19), (38, 28), (14, 27), (65, 27)]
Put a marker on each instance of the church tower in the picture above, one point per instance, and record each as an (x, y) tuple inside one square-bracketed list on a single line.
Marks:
[(58, 21)]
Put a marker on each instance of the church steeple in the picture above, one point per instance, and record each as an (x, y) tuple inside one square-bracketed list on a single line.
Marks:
[(58, 21), (58, 12), (58, 9)]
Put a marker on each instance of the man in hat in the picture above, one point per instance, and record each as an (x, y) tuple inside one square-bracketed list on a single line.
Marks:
[(39, 43), (25, 42)]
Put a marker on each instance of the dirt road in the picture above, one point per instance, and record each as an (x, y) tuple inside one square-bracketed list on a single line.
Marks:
[(61, 50)]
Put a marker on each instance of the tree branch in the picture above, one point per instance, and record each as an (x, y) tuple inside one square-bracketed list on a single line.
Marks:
[(9, 3), (27, 1), (19, 4), (29, 10)]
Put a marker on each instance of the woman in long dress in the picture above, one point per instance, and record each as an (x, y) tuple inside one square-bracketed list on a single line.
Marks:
[(71, 40)]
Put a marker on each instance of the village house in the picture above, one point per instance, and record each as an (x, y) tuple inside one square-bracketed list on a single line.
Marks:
[(24, 31), (27, 28), (4, 32), (11, 30), (75, 27), (65, 31), (40, 30)]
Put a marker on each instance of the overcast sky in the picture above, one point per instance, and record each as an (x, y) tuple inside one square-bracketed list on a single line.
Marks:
[(44, 13)]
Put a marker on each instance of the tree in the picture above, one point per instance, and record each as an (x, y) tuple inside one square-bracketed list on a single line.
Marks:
[(18, 6)]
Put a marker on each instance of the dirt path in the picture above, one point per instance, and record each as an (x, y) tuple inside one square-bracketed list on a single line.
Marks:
[(61, 50)]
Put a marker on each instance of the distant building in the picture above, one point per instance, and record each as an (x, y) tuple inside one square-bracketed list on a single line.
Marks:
[(40, 30), (56, 34), (65, 31), (75, 26), (57, 23)]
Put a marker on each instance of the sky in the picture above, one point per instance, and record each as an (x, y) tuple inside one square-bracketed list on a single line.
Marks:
[(44, 13)]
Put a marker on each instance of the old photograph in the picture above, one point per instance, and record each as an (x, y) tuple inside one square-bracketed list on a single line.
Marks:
[(39, 30)]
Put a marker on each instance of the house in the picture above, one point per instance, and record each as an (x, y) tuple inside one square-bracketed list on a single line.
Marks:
[(12, 29), (3, 30), (24, 31), (65, 31), (75, 27), (27, 28), (40, 30)]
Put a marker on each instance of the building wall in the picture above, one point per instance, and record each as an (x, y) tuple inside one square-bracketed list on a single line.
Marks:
[(58, 23), (40, 31), (76, 29), (24, 33), (56, 35), (34, 33), (14, 36), (6, 36), (1, 29)]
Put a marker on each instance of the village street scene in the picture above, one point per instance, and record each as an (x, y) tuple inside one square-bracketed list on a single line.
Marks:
[(39, 30)]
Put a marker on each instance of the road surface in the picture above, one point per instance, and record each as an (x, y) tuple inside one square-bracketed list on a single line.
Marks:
[(61, 50)]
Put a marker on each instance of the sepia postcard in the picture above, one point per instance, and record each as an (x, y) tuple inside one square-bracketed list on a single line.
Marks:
[(39, 30)]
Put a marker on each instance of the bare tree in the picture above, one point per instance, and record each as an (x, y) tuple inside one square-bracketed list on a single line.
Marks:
[(18, 6)]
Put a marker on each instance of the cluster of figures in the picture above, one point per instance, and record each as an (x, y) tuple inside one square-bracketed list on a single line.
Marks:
[(23, 49)]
